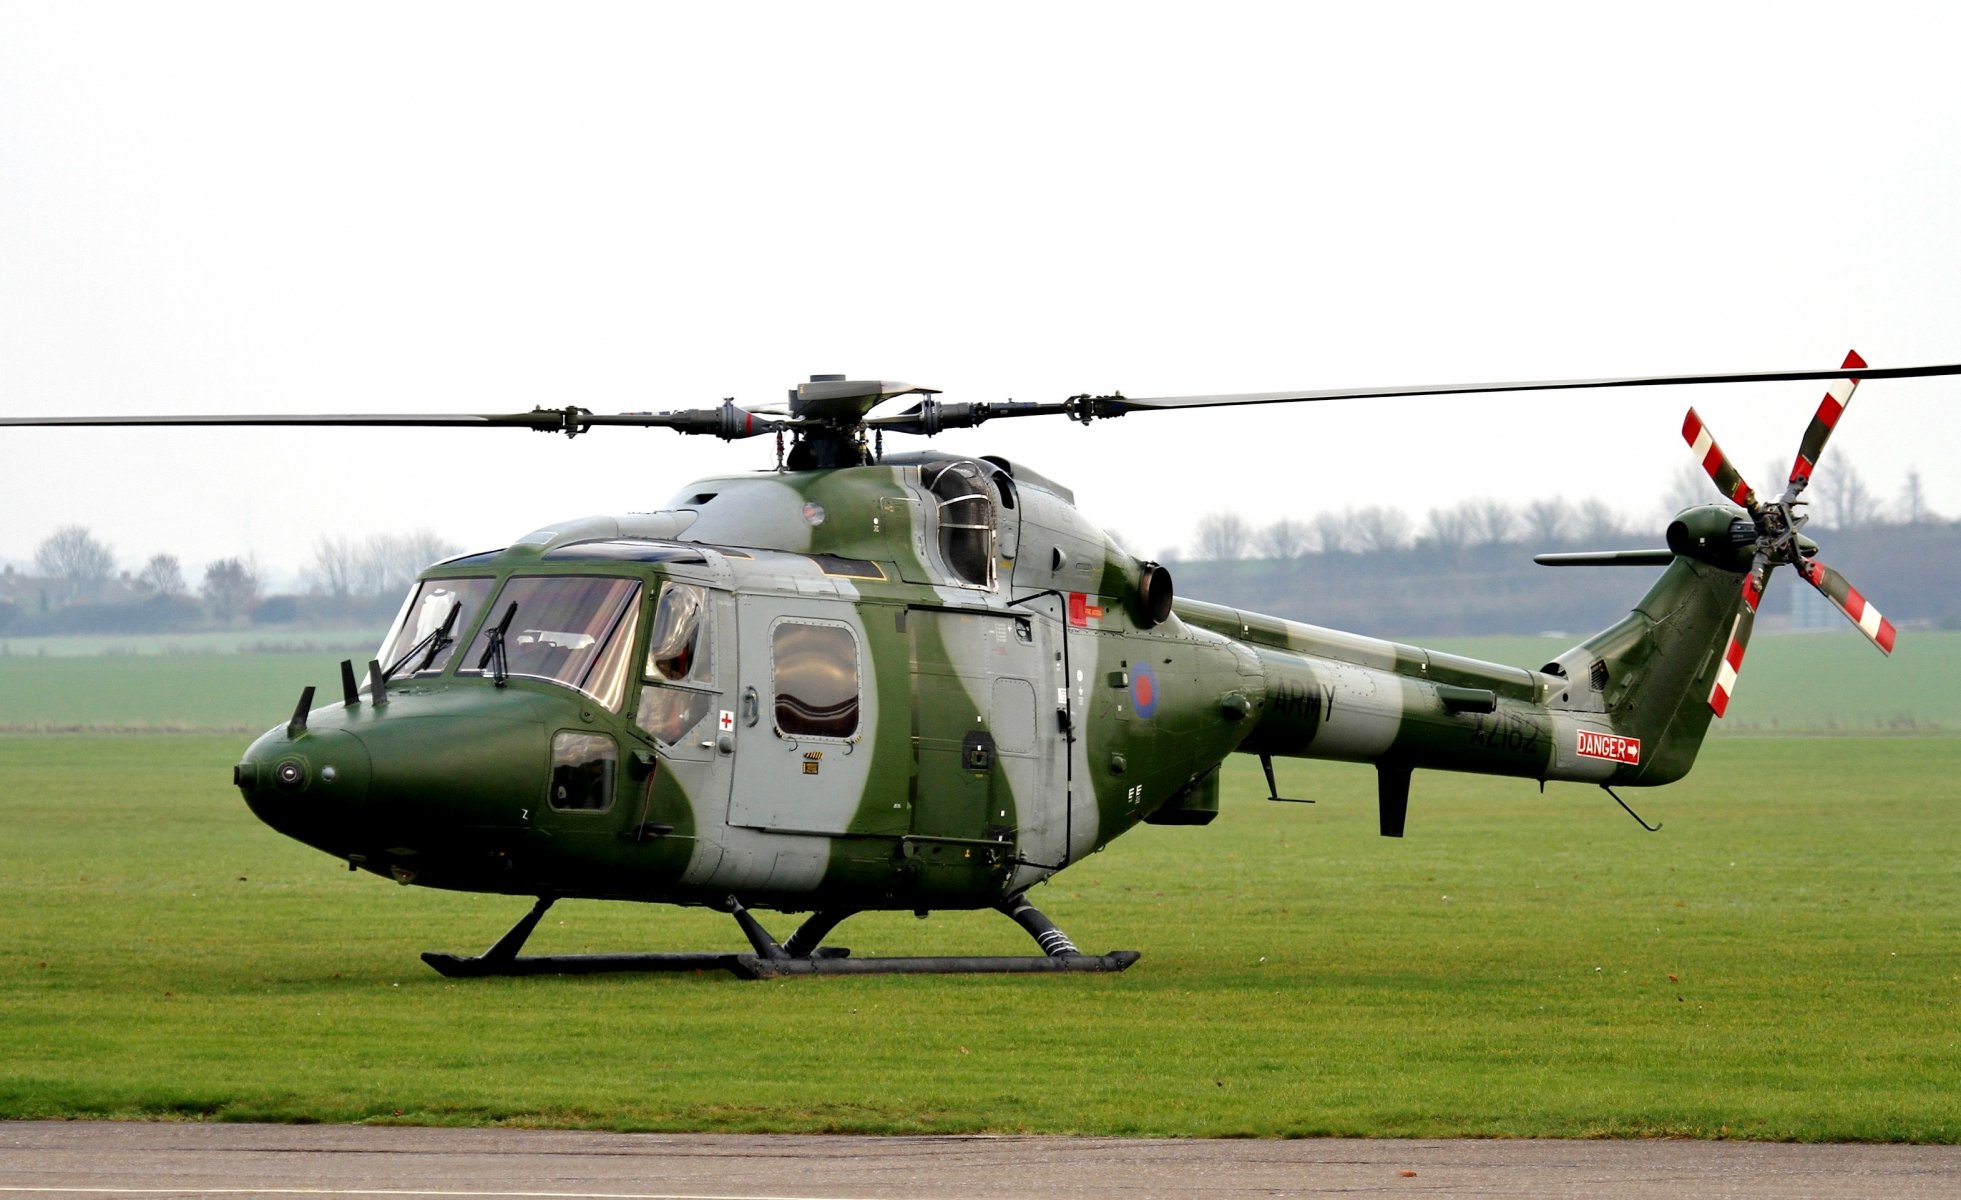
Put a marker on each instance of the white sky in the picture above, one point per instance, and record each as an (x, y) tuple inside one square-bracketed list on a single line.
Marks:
[(391, 208)]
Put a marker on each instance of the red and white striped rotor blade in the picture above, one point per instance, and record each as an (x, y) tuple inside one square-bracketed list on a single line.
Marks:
[(1830, 409), (1850, 601), (1728, 479), (1739, 638)]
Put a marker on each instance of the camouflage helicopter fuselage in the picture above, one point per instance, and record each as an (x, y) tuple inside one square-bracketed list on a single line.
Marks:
[(922, 684)]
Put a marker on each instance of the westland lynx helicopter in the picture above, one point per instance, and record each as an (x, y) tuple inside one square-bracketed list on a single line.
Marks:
[(921, 681)]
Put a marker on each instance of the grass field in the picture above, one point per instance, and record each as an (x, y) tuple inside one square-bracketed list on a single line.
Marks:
[(268, 639), (1782, 961), (235, 693)]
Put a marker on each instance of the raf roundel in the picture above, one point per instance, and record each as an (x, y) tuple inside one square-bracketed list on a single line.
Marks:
[(1143, 690)]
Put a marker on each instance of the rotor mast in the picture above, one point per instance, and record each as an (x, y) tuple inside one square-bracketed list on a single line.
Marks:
[(828, 414)]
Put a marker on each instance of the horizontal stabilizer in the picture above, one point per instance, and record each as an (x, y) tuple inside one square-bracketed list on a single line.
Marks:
[(1607, 558)]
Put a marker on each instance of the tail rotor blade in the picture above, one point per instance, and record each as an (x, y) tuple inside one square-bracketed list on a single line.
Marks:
[(1850, 601), (1837, 397), (1739, 637), (1728, 479)]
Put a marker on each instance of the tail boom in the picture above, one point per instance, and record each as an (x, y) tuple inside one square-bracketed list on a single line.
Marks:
[(1626, 706)]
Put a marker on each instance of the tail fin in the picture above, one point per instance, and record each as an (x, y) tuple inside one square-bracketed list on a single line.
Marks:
[(1672, 664), (1651, 672)]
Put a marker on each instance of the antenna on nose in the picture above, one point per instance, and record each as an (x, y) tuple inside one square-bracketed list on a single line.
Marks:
[(297, 725)]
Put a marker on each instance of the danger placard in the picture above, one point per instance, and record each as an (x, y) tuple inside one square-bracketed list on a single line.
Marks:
[(1609, 746)]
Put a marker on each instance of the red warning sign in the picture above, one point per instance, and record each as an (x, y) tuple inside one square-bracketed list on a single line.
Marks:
[(1609, 746)]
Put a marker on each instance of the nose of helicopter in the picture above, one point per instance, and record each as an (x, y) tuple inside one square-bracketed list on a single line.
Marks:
[(433, 777), (307, 784)]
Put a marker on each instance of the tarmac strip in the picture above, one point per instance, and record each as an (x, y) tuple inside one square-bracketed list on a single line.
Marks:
[(109, 1159)]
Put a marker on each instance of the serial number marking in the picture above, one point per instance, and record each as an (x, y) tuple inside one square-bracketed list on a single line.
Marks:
[(1506, 731)]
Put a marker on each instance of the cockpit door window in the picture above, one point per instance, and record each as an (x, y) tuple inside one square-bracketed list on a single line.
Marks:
[(678, 680)]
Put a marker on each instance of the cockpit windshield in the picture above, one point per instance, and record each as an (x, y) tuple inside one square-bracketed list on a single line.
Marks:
[(414, 646), (569, 629)]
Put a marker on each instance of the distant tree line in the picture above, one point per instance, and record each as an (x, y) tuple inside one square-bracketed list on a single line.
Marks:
[(1380, 529), (1839, 501), (76, 587), (1468, 568)]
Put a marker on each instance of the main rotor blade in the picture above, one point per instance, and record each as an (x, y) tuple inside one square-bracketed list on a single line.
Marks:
[(547, 419), (726, 422), (1117, 405), (1822, 423), (931, 416), (1850, 601)]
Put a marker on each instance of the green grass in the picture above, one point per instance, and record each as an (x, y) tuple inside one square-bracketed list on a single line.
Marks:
[(231, 692), (341, 642), (1505, 970)]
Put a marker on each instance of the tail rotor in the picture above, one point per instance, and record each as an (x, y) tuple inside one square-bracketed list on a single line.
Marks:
[(1777, 528)]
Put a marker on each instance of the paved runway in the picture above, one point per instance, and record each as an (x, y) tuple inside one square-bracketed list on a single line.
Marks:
[(87, 1159)]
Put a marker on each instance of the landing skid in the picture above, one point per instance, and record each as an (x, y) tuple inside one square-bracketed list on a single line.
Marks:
[(750, 966), (798, 956)]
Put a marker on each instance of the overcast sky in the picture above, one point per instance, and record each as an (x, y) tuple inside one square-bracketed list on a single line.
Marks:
[(481, 208)]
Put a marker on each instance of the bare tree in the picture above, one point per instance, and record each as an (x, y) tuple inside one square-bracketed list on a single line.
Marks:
[(1913, 501), (1490, 522), (1222, 537), (1596, 525), (334, 566), (163, 575), (1331, 532), (231, 588), (1445, 529), (1843, 501), (389, 562), (1285, 539), (73, 558), (1545, 521), (1688, 487), (1379, 528)]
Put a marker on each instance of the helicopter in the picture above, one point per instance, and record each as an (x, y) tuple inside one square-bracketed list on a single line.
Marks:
[(921, 680)]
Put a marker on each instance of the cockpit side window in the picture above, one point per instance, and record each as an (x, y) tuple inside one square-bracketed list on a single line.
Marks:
[(966, 519), (678, 681), (413, 646), (680, 648)]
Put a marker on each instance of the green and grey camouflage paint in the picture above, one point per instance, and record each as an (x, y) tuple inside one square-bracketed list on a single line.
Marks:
[(1021, 695)]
